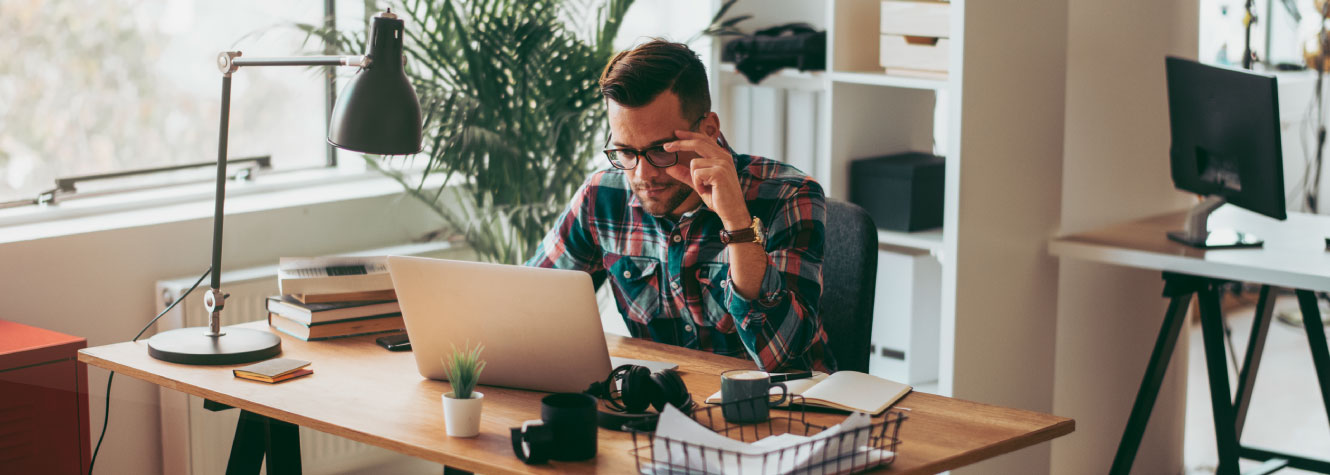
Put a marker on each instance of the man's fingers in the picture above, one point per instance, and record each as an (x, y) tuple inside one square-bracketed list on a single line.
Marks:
[(688, 145), (698, 163), (706, 176), (683, 174), (688, 134)]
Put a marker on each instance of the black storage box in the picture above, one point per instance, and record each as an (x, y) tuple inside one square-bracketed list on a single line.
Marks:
[(902, 192)]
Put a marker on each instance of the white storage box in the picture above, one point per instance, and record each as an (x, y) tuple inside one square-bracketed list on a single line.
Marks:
[(914, 53), (915, 35), (906, 317), (916, 18)]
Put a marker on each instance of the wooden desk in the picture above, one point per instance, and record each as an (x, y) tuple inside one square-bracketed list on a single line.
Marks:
[(1294, 256), (364, 393)]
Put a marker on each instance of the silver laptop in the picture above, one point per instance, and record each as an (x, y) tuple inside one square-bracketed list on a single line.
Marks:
[(540, 327)]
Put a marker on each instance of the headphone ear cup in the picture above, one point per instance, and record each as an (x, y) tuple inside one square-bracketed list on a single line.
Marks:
[(638, 390), (673, 391)]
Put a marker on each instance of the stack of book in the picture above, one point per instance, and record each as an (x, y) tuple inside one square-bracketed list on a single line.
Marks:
[(333, 297)]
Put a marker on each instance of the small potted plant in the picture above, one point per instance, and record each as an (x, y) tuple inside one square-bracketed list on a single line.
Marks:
[(461, 406)]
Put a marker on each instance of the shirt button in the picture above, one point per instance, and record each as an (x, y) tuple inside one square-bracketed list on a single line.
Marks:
[(627, 274), (678, 238), (688, 328), (674, 284)]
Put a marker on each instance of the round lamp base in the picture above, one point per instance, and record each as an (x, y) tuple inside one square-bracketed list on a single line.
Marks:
[(194, 346)]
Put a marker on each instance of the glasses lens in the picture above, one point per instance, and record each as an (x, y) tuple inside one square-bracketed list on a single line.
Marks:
[(661, 159), (623, 159)]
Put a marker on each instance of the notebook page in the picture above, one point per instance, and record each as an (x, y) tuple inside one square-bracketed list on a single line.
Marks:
[(857, 391)]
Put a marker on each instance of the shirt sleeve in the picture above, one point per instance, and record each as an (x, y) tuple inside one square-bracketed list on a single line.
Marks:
[(780, 326), (571, 243)]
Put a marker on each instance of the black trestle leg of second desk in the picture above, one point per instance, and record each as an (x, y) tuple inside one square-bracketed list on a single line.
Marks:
[(1179, 289), (1311, 320), (1212, 333), (1265, 309)]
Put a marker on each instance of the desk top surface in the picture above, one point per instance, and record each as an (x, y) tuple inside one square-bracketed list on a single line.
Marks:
[(362, 392), (1294, 254)]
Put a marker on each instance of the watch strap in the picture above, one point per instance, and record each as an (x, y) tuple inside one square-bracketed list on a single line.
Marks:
[(748, 234)]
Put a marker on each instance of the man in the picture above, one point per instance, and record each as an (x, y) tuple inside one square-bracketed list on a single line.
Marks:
[(703, 248)]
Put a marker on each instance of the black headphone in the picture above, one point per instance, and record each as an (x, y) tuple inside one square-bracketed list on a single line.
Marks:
[(631, 389)]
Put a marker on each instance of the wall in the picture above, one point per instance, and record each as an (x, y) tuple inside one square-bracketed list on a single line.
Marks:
[(1116, 169), (1010, 166), (99, 285)]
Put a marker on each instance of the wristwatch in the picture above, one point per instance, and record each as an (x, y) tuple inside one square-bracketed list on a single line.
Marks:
[(751, 234)]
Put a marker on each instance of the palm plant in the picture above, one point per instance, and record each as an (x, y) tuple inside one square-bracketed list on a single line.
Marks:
[(512, 110), (463, 369)]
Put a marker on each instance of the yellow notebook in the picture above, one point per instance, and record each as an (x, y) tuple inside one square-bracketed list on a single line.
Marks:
[(844, 390)]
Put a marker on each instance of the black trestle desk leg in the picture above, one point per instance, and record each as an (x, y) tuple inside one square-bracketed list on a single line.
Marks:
[(1179, 288), (283, 447), (1260, 327), (248, 445), (1212, 332), (1311, 320)]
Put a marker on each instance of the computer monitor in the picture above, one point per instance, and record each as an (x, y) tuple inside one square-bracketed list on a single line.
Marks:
[(1226, 147)]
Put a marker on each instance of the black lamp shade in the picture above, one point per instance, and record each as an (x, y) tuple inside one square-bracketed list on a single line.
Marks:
[(378, 112)]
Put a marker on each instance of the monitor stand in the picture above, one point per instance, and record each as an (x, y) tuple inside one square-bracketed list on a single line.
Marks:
[(1196, 233)]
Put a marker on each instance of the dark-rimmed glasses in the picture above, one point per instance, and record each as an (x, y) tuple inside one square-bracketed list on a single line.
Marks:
[(628, 158)]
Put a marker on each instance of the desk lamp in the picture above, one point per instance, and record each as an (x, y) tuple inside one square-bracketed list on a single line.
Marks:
[(376, 113)]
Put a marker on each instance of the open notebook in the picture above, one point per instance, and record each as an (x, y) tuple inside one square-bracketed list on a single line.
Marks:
[(844, 390)]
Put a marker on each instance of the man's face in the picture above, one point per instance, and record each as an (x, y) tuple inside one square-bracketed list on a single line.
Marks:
[(648, 126)]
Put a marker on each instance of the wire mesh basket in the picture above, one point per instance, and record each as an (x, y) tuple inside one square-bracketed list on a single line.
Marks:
[(848, 451)]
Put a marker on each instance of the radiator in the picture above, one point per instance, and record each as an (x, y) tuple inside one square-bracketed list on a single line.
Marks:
[(196, 441)]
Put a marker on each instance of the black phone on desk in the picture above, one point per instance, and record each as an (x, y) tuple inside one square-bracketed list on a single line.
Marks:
[(395, 342)]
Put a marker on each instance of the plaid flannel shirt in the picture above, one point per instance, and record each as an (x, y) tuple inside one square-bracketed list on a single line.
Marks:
[(671, 279)]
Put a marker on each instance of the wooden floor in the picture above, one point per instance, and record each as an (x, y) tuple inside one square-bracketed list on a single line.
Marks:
[(1286, 411)]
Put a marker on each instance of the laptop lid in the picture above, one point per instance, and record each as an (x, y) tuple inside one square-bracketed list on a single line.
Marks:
[(540, 327)]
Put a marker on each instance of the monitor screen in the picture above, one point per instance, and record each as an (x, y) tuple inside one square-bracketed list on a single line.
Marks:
[(1225, 128)]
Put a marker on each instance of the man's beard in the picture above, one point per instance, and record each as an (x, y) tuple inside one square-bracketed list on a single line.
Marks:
[(675, 194)]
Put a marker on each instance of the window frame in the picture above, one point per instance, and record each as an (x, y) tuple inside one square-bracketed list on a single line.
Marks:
[(41, 200)]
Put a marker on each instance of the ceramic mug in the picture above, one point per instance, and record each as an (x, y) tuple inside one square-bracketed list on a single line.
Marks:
[(744, 395), (568, 426)]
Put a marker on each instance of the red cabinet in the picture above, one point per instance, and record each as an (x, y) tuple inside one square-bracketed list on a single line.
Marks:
[(43, 401)]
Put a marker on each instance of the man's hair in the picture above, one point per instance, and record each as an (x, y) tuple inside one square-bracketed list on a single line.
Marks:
[(637, 76)]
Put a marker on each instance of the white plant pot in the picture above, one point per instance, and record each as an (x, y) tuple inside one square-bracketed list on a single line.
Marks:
[(462, 416)]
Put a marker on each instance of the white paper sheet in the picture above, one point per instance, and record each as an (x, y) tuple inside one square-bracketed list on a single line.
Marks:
[(710, 452)]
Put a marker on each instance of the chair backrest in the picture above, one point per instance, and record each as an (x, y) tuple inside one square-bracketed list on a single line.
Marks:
[(849, 282)]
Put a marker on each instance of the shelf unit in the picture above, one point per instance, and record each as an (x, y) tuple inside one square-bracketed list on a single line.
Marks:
[(858, 111), (862, 111)]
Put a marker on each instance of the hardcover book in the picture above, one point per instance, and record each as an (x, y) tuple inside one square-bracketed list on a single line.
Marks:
[(314, 313), (333, 275), (338, 329)]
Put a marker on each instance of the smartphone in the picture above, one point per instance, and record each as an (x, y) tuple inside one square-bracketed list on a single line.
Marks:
[(397, 342)]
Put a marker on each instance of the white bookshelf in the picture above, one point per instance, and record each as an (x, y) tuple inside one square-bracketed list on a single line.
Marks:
[(889, 80), (860, 112), (930, 240)]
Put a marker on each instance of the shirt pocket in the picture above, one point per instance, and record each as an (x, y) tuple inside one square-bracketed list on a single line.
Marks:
[(711, 278), (637, 286)]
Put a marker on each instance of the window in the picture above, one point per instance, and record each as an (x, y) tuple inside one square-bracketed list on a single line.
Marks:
[(100, 86), (1282, 29)]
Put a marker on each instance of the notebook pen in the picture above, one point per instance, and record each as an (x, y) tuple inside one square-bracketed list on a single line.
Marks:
[(791, 376)]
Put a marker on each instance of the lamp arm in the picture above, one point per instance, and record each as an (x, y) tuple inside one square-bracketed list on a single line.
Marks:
[(229, 61), (214, 300)]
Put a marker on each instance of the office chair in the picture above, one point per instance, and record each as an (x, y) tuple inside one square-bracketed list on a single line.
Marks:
[(849, 283)]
